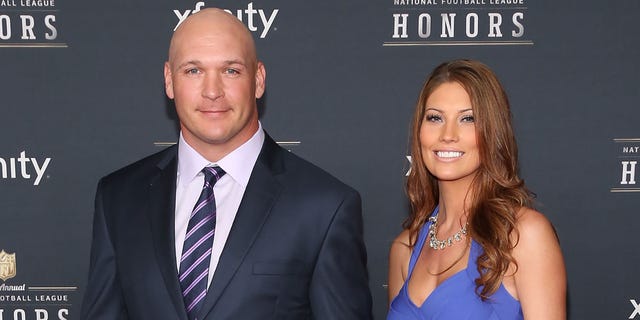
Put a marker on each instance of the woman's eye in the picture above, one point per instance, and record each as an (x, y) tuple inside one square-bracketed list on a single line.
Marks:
[(468, 118), (433, 118)]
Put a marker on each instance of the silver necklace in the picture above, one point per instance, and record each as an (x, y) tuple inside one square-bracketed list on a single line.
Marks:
[(436, 244)]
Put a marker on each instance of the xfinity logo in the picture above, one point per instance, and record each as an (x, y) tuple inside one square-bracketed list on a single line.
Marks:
[(255, 19), (24, 167), (636, 310)]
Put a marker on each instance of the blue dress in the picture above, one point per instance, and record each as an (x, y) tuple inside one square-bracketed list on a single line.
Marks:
[(455, 298)]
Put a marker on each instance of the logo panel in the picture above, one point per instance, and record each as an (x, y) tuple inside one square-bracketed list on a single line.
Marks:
[(628, 180), (24, 301), (7, 265), (30, 23), (458, 23)]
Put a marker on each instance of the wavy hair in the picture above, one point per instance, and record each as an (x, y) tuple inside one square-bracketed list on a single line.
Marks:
[(497, 190)]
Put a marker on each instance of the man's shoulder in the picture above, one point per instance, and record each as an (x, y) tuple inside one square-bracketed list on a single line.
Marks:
[(309, 175), (144, 167)]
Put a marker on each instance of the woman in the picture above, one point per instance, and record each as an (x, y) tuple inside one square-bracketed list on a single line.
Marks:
[(472, 247)]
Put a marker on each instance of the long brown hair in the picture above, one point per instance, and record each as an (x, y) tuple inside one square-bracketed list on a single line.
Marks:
[(497, 191)]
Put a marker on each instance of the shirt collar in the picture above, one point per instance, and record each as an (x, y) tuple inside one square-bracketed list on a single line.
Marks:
[(238, 164)]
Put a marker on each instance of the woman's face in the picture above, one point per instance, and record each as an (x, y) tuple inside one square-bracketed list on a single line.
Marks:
[(448, 134)]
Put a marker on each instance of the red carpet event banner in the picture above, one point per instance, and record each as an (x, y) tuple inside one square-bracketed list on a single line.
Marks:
[(83, 95)]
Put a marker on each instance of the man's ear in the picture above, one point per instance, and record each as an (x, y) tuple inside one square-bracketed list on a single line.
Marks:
[(168, 81), (261, 75)]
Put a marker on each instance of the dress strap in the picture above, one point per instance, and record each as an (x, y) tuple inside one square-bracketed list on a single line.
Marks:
[(422, 237)]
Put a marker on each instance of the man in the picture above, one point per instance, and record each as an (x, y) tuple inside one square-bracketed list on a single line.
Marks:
[(287, 237)]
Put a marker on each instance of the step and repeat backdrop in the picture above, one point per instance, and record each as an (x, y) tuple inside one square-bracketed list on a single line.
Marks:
[(81, 94)]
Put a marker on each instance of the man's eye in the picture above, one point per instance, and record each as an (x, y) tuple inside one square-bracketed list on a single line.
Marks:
[(231, 71), (192, 71)]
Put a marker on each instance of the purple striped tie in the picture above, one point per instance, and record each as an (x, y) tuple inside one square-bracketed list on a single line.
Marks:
[(196, 252)]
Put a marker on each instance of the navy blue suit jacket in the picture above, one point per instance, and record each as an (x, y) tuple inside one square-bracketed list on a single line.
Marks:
[(295, 250)]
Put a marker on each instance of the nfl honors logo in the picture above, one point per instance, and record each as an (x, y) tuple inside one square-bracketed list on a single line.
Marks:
[(7, 265)]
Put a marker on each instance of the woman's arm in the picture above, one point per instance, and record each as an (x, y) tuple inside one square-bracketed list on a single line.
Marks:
[(399, 256), (541, 280)]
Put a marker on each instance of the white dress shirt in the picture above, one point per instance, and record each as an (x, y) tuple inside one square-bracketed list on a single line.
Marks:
[(228, 191)]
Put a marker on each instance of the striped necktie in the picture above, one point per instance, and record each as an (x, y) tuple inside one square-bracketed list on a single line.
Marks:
[(196, 252)]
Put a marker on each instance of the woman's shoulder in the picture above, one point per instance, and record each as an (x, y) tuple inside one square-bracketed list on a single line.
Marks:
[(533, 226), (399, 256), (536, 238), (401, 245), (403, 237)]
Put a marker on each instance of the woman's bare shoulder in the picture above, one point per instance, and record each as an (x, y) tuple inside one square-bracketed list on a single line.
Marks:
[(533, 227), (403, 238)]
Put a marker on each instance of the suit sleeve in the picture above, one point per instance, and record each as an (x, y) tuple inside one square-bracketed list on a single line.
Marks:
[(340, 281), (103, 296)]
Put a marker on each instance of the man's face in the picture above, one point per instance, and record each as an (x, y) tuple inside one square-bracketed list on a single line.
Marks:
[(214, 78)]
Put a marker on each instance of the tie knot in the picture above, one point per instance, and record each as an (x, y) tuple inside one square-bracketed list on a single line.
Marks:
[(212, 175)]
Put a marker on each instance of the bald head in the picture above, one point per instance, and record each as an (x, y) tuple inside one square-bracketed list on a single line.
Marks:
[(212, 24)]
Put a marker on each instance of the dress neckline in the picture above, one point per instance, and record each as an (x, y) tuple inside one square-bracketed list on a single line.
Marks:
[(442, 284), (414, 260)]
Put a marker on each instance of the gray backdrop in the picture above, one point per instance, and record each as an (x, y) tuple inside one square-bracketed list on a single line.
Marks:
[(82, 95)]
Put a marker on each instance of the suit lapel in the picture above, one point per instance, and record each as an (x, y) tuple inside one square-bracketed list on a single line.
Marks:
[(161, 215), (259, 197)]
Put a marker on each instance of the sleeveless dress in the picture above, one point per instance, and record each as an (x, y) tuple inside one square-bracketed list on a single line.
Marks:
[(455, 298)]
